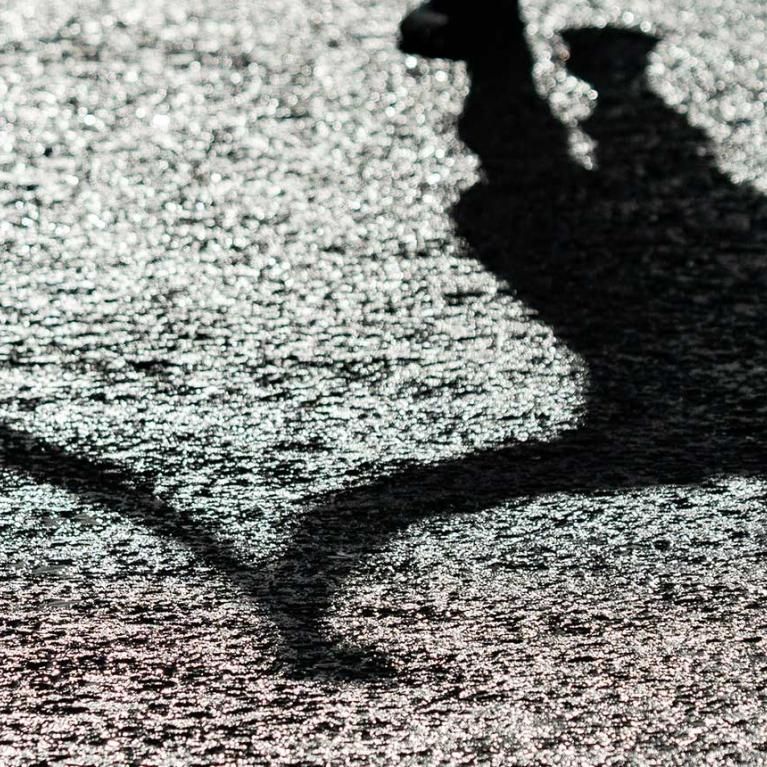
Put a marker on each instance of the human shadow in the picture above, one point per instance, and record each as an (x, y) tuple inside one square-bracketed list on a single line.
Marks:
[(649, 267)]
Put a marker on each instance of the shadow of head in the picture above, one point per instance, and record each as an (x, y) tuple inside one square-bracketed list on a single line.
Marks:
[(608, 57)]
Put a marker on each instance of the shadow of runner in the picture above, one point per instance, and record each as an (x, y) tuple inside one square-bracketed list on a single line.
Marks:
[(650, 267)]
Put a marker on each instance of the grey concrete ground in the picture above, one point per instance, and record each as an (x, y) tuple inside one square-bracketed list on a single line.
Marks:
[(347, 420)]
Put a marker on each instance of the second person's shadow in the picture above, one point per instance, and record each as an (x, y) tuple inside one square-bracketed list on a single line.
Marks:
[(650, 268)]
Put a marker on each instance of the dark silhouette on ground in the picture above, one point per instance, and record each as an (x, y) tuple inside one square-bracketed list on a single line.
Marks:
[(455, 29), (649, 267)]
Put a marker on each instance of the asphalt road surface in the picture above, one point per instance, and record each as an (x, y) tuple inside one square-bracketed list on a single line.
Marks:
[(365, 409)]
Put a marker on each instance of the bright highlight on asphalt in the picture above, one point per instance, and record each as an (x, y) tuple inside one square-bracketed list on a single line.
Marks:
[(364, 408)]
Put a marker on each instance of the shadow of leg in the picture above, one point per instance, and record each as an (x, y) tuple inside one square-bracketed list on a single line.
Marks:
[(351, 527)]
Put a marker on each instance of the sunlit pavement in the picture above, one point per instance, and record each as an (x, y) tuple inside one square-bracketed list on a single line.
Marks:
[(240, 336)]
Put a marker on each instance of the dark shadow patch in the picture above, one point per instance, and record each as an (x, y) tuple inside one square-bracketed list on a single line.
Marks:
[(651, 268)]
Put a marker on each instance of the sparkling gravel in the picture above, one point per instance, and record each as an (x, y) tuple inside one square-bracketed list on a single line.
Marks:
[(347, 420)]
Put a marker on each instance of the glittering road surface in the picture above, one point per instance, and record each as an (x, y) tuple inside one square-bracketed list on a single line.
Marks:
[(364, 409)]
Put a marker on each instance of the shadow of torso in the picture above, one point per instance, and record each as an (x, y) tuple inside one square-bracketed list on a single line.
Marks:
[(649, 267)]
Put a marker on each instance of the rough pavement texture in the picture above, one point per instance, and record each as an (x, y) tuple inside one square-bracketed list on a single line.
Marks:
[(370, 410)]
